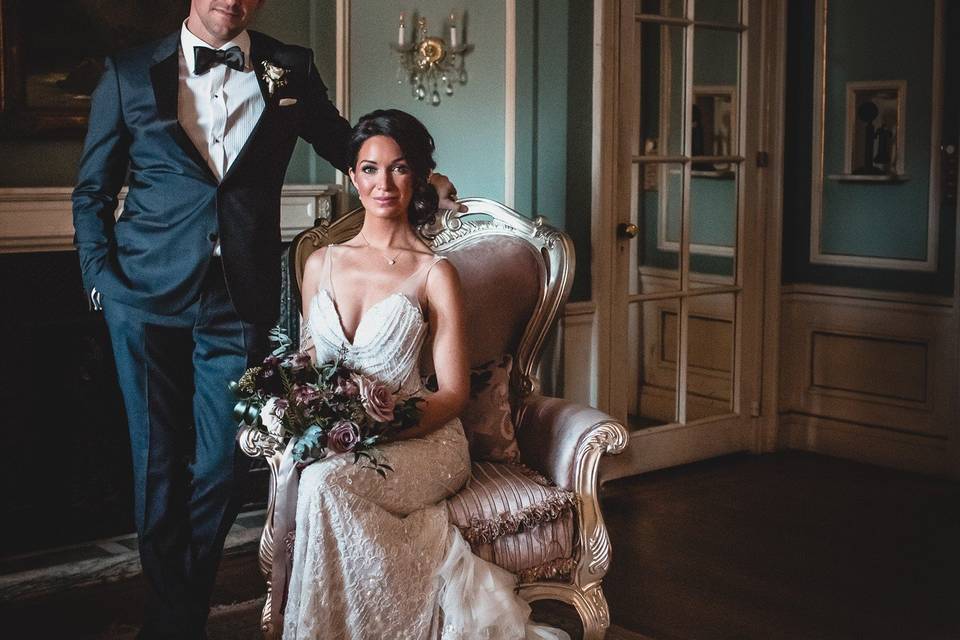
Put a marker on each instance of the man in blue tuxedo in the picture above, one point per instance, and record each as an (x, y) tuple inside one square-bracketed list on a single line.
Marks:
[(201, 125)]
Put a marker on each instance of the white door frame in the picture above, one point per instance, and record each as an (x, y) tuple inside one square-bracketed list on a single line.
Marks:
[(759, 268)]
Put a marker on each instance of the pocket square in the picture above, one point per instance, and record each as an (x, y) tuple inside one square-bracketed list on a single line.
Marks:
[(286, 102)]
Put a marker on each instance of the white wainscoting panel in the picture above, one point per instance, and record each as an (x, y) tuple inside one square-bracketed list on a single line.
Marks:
[(869, 379), (579, 353)]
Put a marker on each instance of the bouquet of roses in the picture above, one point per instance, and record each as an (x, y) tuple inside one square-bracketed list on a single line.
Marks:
[(328, 407)]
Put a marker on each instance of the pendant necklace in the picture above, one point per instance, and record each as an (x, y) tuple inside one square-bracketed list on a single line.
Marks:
[(390, 261)]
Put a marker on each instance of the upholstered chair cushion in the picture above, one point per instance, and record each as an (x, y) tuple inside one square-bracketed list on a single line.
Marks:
[(502, 283), (514, 517)]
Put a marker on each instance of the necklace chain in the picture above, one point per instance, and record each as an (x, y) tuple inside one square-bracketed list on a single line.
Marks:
[(390, 261)]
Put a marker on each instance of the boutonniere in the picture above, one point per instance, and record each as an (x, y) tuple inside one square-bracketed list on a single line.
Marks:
[(274, 76)]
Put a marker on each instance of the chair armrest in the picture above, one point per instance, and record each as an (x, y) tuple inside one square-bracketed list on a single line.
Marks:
[(564, 440), (255, 443)]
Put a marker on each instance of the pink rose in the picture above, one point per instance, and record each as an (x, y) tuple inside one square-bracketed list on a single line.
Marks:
[(377, 399), (344, 436)]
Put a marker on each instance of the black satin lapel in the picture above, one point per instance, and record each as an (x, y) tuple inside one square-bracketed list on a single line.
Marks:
[(165, 76)]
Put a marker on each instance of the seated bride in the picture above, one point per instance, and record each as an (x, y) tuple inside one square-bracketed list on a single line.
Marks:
[(374, 555)]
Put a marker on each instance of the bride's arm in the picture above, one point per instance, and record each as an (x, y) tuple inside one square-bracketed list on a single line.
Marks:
[(311, 275), (450, 360)]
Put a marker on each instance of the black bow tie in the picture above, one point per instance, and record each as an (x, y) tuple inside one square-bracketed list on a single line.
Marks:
[(205, 58)]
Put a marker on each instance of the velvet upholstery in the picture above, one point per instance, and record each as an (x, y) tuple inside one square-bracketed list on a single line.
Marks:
[(502, 284), (549, 433)]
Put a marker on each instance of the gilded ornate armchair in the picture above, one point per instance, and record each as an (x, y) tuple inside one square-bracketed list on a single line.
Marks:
[(516, 276)]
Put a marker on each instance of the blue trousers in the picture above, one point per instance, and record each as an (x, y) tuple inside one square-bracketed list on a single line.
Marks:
[(173, 373)]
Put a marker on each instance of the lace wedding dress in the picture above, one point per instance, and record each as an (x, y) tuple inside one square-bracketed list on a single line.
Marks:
[(376, 557)]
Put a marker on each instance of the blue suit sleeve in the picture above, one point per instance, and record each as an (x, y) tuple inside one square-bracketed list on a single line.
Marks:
[(324, 128), (103, 168)]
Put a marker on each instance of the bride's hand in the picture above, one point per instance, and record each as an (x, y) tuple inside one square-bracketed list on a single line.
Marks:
[(447, 192)]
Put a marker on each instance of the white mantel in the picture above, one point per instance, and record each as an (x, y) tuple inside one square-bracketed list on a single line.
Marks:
[(41, 218)]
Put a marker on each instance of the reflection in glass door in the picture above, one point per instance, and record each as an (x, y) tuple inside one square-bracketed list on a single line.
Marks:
[(680, 284)]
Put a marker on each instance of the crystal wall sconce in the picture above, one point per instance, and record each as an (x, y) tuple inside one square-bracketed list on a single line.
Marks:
[(428, 63)]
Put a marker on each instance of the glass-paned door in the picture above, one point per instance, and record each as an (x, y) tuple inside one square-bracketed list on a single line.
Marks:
[(681, 287)]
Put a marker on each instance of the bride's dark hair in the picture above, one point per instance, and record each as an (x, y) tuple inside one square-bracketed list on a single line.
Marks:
[(417, 146)]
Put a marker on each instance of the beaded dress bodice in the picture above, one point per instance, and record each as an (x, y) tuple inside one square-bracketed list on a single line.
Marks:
[(387, 342)]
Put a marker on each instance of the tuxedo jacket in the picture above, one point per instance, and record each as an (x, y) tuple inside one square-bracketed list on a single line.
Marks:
[(156, 254)]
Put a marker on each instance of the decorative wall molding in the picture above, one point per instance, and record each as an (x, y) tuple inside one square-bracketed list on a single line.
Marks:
[(510, 104), (869, 379), (41, 218), (343, 85), (805, 289), (817, 255), (579, 355)]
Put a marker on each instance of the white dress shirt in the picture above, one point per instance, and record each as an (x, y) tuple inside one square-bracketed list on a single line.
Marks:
[(220, 108)]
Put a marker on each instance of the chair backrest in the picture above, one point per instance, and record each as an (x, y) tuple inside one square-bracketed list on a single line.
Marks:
[(516, 275)]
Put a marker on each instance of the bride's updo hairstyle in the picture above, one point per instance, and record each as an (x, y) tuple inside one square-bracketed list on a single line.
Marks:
[(417, 146)]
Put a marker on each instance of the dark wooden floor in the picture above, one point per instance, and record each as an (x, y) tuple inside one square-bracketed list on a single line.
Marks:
[(788, 545)]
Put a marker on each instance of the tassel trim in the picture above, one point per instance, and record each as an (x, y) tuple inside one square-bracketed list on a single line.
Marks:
[(481, 531), (556, 569)]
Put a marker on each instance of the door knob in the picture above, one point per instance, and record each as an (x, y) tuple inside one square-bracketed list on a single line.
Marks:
[(627, 230)]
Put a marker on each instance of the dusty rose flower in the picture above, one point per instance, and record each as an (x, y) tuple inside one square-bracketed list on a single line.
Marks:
[(377, 399), (344, 436)]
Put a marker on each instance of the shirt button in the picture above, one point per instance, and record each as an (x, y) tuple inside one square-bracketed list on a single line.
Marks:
[(213, 237)]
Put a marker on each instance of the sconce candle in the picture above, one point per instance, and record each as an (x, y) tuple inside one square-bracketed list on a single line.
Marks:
[(454, 35), (429, 63), (402, 31)]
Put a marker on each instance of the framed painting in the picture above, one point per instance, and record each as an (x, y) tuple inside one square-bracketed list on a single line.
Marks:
[(51, 56)]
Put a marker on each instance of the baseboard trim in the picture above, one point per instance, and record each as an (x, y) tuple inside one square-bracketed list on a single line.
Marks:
[(865, 443)]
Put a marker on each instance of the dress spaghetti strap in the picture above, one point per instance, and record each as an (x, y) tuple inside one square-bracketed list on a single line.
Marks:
[(415, 286)]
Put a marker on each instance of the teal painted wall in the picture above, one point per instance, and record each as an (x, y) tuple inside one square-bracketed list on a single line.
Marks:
[(554, 121), (885, 220), (553, 106), (878, 220), (468, 128)]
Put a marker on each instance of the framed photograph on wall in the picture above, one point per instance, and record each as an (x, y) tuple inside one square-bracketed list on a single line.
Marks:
[(876, 114), (51, 56)]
